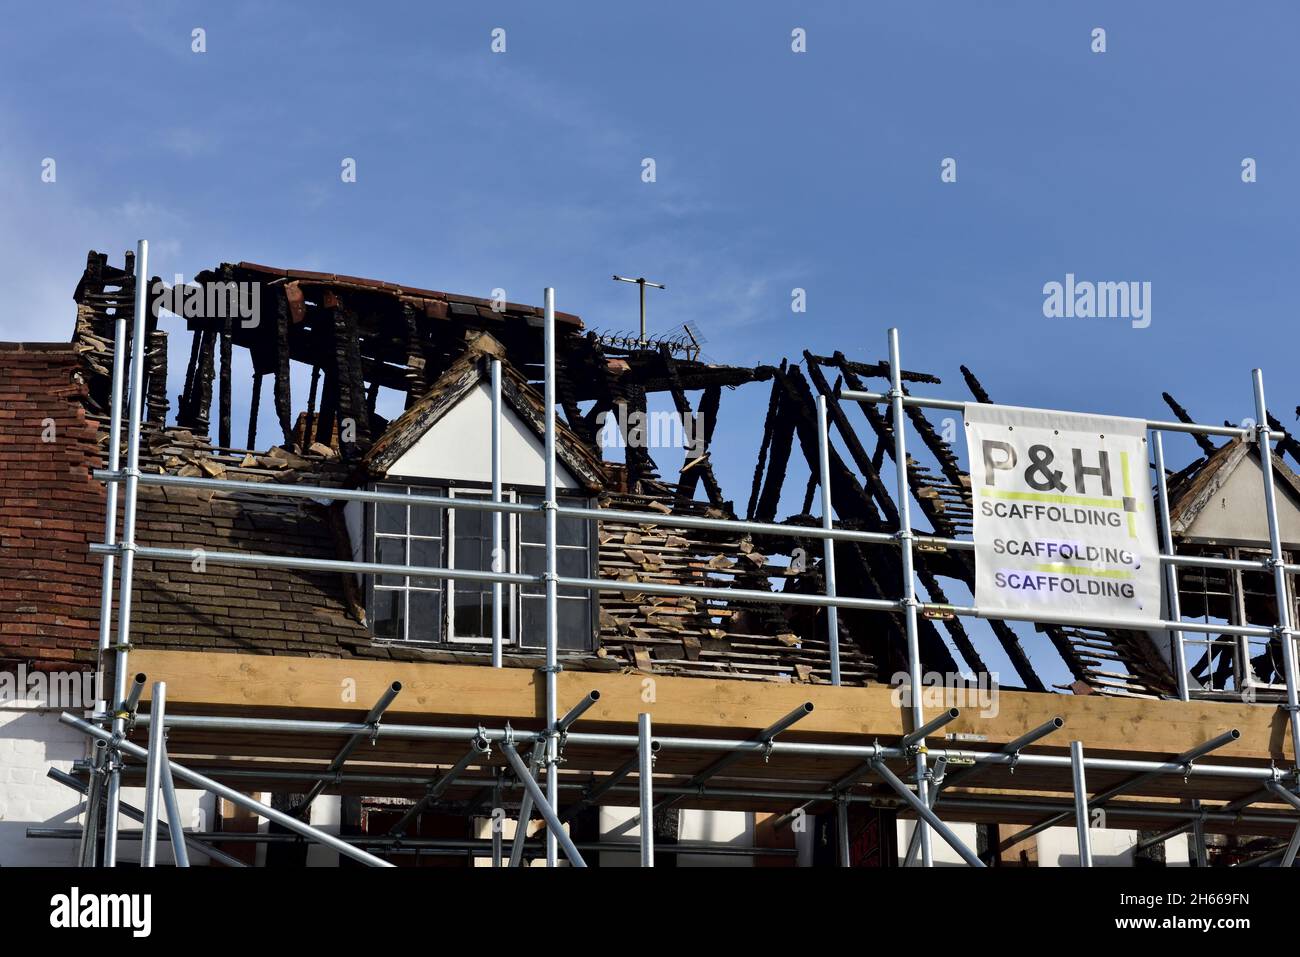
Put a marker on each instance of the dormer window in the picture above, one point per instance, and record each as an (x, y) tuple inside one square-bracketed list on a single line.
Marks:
[(431, 611)]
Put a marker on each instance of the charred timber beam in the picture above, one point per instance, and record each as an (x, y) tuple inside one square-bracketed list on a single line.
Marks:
[(769, 423), (954, 627), (283, 396), (1288, 443), (157, 361), (1208, 447), (976, 389), (253, 410), (309, 422), (696, 463), (1006, 636), (354, 423), (871, 369), (185, 403), (853, 501), (223, 401), (780, 442), (203, 384)]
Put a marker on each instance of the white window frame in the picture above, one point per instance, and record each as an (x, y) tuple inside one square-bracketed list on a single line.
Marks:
[(508, 592), (406, 587)]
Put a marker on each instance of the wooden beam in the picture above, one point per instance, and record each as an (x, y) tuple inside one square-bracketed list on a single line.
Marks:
[(316, 687)]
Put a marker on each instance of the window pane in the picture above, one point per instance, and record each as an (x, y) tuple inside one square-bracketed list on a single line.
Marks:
[(390, 519), (388, 614), (428, 553), (532, 621), (390, 551), (425, 616), (427, 521), (570, 531), (572, 615), (532, 525), (473, 611), (575, 625), (571, 562)]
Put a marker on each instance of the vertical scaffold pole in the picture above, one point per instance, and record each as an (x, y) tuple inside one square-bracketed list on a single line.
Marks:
[(552, 597), (645, 772), (909, 584), (175, 826), (1179, 651), (153, 770), (828, 545), (499, 563), (1282, 630), (1081, 822), (88, 852), (132, 472), (842, 830)]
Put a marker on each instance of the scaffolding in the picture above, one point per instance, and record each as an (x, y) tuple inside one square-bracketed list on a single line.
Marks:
[(618, 757)]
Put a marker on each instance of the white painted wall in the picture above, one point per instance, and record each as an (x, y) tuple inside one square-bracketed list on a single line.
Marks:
[(31, 741), (458, 447), (621, 825), (198, 813), (1059, 847), (940, 852)]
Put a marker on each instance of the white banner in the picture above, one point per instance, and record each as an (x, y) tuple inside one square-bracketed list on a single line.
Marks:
[(1064, 520)]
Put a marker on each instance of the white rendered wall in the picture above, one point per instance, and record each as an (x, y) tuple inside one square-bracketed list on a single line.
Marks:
[(621, 825), (940, 852), (1059, 847), (31, 741), (458, 447)]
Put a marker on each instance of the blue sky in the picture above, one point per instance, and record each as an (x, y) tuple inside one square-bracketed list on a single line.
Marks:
[(775, 170)]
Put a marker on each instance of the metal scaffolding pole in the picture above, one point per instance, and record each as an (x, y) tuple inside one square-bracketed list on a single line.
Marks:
[(1012, 748), (764, 742), (88, 852), (372, 721), (645, 773), (498, 555), (526, 806), (1179, 651), (153, 774), (235, 797), (1184, 760), (547, 809), (439, 785), (175, 826), (828, 544), (127, 547), (1081, 822), (926, 815), (1282, 631), (842, 831), (550, 578), (135, 814), (753, 746), (909, 585)]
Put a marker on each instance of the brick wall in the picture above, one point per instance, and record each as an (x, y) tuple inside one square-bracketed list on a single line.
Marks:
[(50, 511)]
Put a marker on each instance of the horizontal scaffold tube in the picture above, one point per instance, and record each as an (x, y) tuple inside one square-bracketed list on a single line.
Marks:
[(230, 794), (611, 515), (341, 566), (629, 742)]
